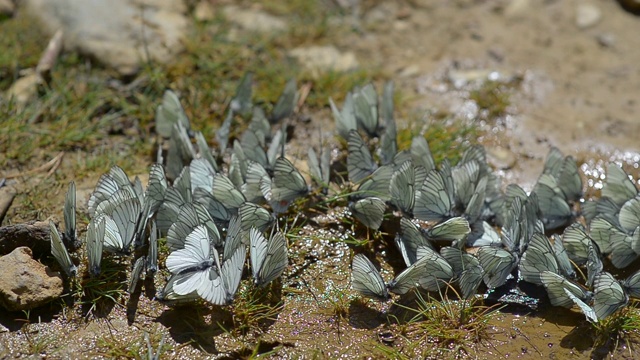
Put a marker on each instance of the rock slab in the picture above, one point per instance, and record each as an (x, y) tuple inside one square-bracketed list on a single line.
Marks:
[(117, 33), (25, 283)]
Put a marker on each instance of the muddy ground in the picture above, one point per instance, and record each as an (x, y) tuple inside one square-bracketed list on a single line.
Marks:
[(570, 87)]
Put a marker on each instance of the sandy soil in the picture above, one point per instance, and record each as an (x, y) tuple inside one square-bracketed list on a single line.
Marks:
[(575, 91)]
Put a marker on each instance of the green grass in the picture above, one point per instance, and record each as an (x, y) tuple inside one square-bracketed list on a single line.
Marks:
[(616, 329), (454, 326), (253, 309)]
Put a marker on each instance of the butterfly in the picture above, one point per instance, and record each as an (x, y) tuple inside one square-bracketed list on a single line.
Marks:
[(136, 274), (369, 211), (365, 105), (170, 112), (152, 255), (466, 268), (95, 238), (558, 289), (286, 186), (608, 297), (286, 102), (345, 120), (268, 257), (366, 279), (319, 167), (431, 272), (190, 217), (197, 268), (252, 215), (360, 163), (60, 253), (70, 234)]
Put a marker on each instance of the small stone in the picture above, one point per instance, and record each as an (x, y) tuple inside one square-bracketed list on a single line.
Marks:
[(25, 89), (517, 9), (204, 11), (587, 15), (7, 8), (606, 40), (254, 20), (25, 283), (501, 158), (321, 59), (34, 235)]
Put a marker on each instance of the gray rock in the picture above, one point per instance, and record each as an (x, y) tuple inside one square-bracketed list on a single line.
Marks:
[(321, 59), (7, 8), (501, 158), (25, 283), (254, 20), (117, 33), (587, 15), (34, 235), (204, 11)]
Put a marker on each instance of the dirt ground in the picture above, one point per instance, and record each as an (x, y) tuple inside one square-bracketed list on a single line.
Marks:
[(570, 87)]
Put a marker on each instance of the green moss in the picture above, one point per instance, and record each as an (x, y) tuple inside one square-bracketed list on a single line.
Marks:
[(493, 97)]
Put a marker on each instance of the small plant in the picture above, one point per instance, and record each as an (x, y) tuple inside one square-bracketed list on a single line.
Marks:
[(609, 332), (253, 308), (446, 324), (101, 293)]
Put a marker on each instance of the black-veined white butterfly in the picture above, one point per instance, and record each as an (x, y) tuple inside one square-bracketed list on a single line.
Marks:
[(60, 253), (466, 268), (365, 104), (538, 257), (608, 297), (369, 211), (226, 193), (557, 287), (434, 200), (286, 102), (197, 268), (631, 284), (70, 234), (252, 215), (190, 217), (205, 152), (360, 163), (168, 296), (345, 120), (232, 272), (180, 152), (376, 185), (136, 274), (629, 216), (152, 255), (366, 279), (169, 113), (409, 239), (95, 236), (319, 167), (618, 186), (388, 141), (497, 264), (402, 188), (286, 186), (430, 272), (268, 257), (554, 208), (241, 103)]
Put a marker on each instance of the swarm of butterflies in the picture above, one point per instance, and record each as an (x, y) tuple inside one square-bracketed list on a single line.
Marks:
[(449, 214), (208, 218)]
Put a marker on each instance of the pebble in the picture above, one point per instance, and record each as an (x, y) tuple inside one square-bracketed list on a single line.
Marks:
[(25, 283), (117, 40), (204, 11), (323, 59), (7, 7), (587, 15), (254, 20), (501, 158)]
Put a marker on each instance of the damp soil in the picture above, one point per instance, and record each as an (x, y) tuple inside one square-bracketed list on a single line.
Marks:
[(567, 87)]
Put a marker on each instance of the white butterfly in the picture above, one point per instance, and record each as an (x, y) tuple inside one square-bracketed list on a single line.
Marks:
[(346, 119), (287, 185), (136, 274), (366, 279), (60, 253), (369, 211), (197, 268), (95, 239), (169, 113), (268, 257), (70, 233), (360, 163)]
